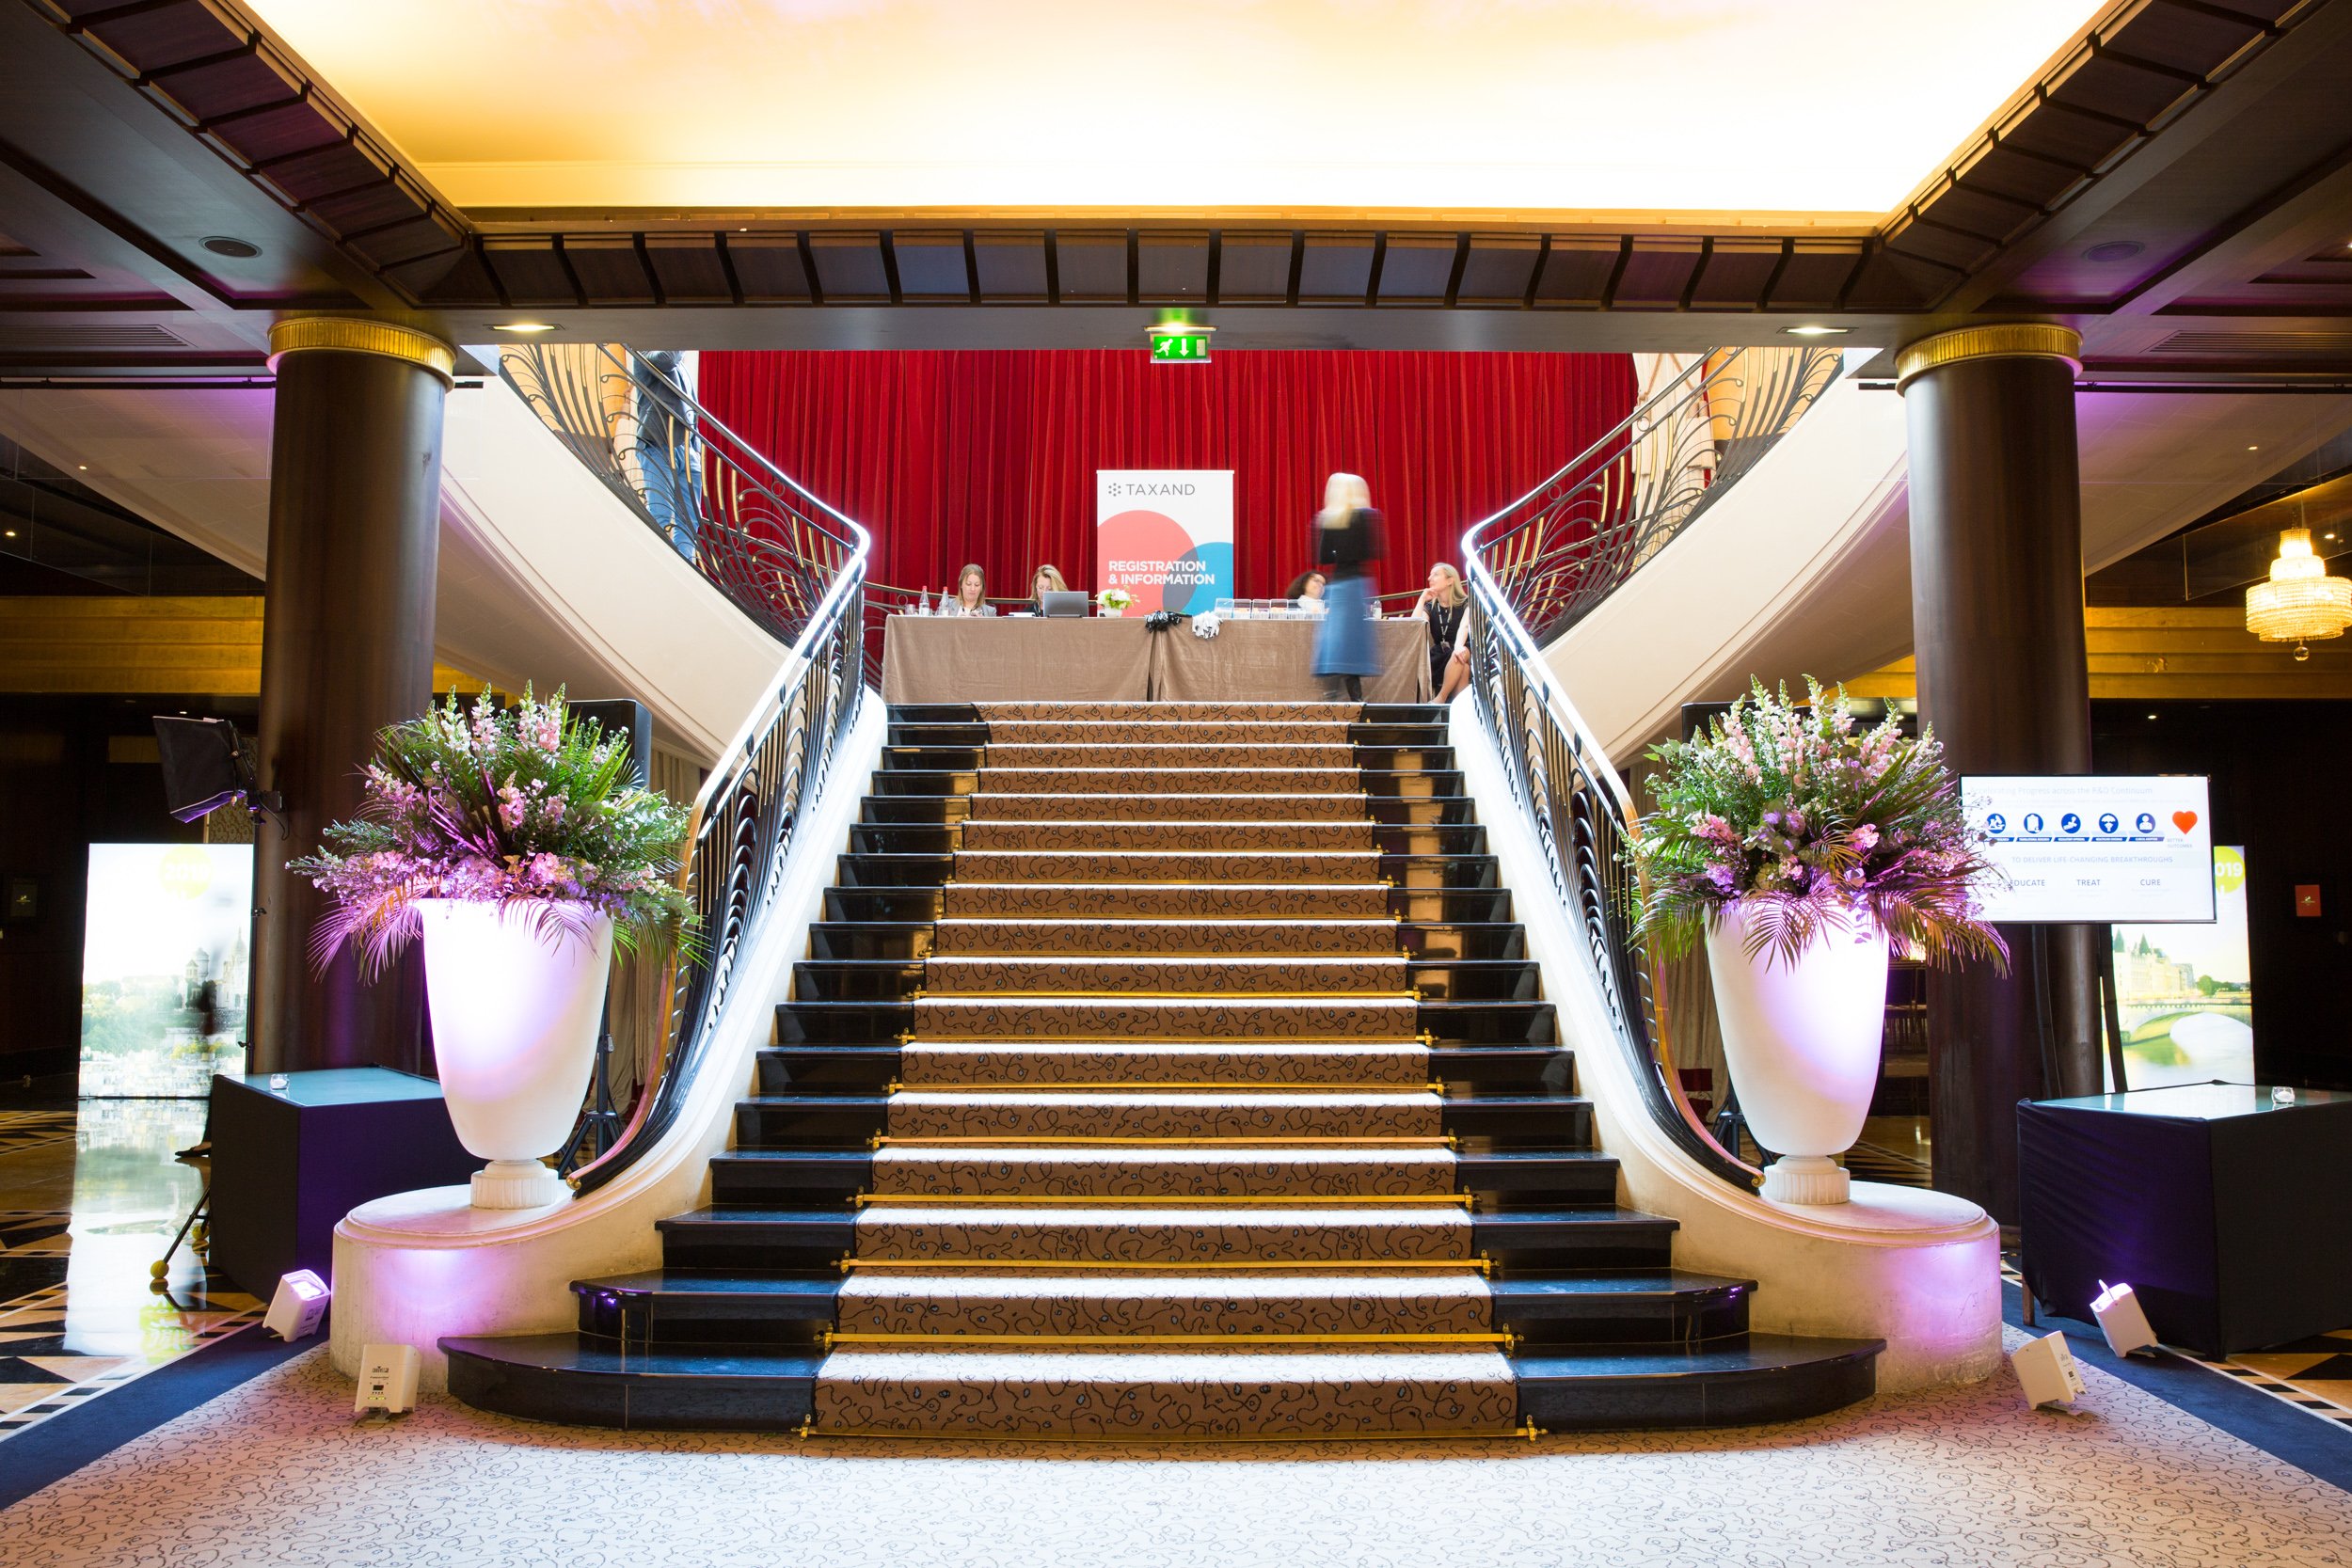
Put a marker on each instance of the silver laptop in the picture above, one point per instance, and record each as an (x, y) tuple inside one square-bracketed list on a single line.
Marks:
[(1061, 601)]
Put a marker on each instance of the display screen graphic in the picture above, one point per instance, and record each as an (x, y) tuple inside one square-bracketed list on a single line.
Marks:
[(165, 960), (2184, 994), (2093, 848)]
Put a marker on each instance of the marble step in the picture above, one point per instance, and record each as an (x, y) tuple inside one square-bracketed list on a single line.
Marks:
[(1064, 974), (1133, 1017), (1226, 1235), (1075, 866), (818, 1240), (1329, 731), (1210, 1172), (963, 899), (1141, 1395), (1065, 1064), (918, 1306), (1329, 780), (1165, 836), (1154, 754), (1162, 938), (1179, 713), (916, 1115), (1118, 804)]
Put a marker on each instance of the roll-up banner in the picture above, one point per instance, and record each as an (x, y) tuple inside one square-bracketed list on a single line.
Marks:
[(1165, 535)]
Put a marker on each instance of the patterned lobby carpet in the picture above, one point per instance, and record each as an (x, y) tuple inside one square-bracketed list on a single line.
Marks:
[(277, 1473)]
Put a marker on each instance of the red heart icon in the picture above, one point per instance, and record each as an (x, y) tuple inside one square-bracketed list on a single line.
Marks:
[(2184, 820)]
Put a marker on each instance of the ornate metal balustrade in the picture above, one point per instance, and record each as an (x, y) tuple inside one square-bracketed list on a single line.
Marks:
[(1541, 563), (794, 566), (1570, 542)]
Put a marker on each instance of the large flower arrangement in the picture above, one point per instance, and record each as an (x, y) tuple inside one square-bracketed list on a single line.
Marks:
[(524, 808), (1808, 822)]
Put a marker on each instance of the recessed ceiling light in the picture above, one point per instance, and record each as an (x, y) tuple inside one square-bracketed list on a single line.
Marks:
[(522, 326), (2114, 250), (2253, 449), (224, 244), (2152, 716), (1816, 330), (84, 467)]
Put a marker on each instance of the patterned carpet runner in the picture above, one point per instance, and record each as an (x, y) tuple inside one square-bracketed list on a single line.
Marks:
[(1165, 1158)]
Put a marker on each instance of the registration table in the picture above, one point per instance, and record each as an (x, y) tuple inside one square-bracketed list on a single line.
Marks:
[(2229, 1213), (1119, 659)]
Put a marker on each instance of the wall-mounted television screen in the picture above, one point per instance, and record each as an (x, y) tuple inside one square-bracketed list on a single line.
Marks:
[(2095, 848)]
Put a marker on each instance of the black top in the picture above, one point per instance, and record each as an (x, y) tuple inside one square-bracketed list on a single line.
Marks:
[(1445, 621), (1344, 552)]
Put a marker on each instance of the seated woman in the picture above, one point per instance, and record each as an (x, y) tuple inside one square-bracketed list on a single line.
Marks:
[(971, 594), (1306, 590), (1045, 580), (1445, 604)]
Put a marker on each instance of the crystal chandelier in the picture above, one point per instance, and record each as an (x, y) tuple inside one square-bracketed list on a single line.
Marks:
[(2300, 602)]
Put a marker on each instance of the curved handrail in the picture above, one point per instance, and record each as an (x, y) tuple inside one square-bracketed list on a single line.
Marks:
[(1538, 564), (1571, 541), (794, 565)]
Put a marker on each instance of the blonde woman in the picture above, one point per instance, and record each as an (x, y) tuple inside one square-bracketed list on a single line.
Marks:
[(1349, 539), (1445, 605), (1045, 580), (972, 593)]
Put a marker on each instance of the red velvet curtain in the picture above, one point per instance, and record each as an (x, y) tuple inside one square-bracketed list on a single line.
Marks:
[(988, 455)]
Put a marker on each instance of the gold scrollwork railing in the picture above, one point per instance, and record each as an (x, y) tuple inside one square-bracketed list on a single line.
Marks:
[(794, 566), (1573, 540), (1533, 569)]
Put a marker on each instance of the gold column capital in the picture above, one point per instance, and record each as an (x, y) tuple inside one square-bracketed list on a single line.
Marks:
[(1999, 340), (360, 335)]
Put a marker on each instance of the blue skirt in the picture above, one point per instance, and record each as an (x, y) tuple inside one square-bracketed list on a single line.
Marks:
[(1343, 644)]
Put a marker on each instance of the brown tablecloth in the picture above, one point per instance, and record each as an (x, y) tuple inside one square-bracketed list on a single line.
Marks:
[(1113, 659), (1004, 659), (1272, 662)]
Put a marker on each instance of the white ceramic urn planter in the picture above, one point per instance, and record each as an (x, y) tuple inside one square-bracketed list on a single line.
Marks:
[(517, 1003), (1802, 1040)]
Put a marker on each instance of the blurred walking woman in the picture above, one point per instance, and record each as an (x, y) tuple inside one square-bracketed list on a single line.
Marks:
[(1347, 543)]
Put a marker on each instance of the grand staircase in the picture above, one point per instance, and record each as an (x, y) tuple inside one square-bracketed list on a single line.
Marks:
[(1165, 1071)]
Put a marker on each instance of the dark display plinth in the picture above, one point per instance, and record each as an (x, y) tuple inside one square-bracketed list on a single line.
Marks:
[(289, 1163), (2230, 1217)]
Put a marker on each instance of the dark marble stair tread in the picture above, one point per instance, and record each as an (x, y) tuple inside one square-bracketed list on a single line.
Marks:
[(783, 1295), (582, 1380), (1572, 1293), (1739, 1356)]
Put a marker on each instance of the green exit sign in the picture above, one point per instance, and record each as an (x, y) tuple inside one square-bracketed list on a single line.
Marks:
[(1171, 348)]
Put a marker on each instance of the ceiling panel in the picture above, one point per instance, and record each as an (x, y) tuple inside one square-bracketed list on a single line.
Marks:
[(1657, 270), (1172, 266), (528, 271), (1417, 269), (1577, 270), (769, 268), (849, 267), (1091, 263), (1500, 269), (930, 265), (1253, 268), (1012, 265), (610, 268), (689, 268), (1335, 269)]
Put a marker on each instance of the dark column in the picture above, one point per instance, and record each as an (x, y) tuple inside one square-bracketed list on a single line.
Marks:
[(355, 496), (1997, 610)]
